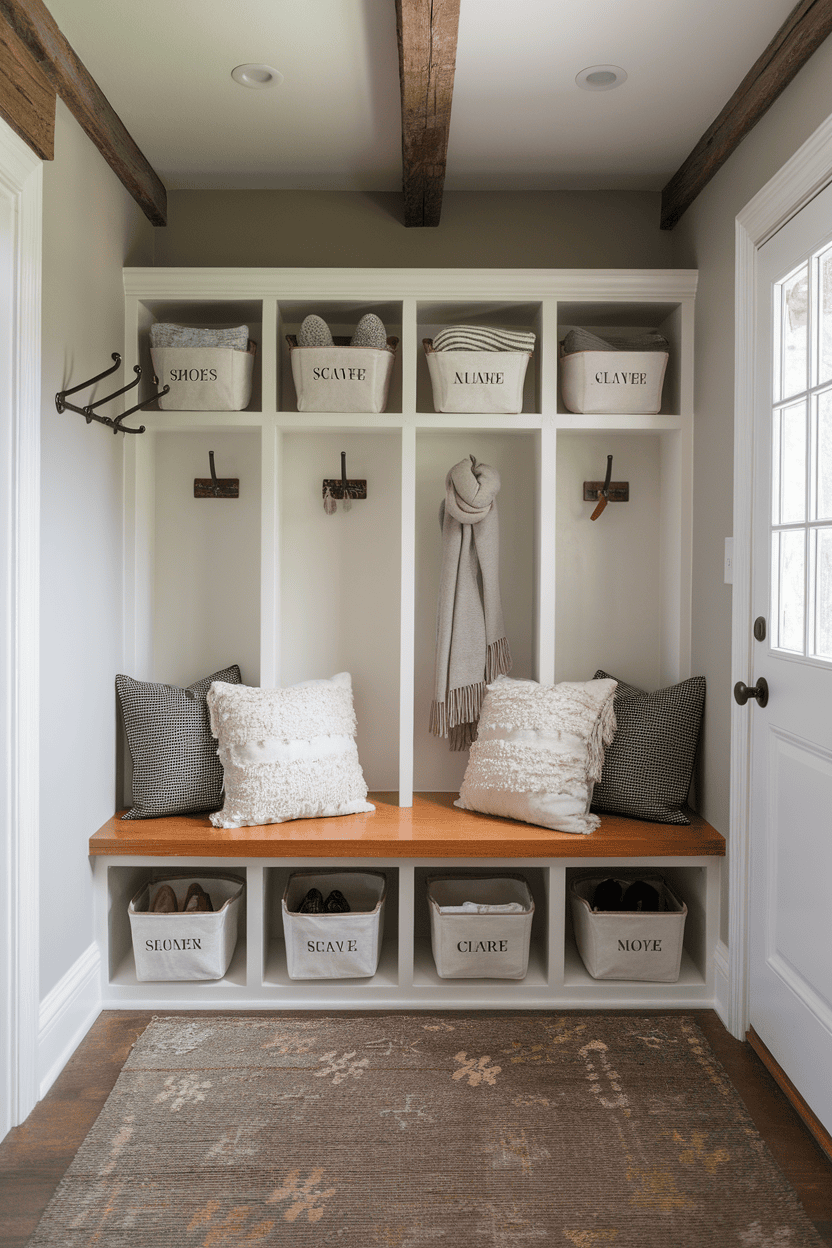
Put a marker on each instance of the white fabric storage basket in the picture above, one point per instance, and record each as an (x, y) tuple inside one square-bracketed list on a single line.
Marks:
[(193, 945), (204, 379), (480, 946), (627, 383), (477, 381), (334, 946), (627, 944), (342, 378)]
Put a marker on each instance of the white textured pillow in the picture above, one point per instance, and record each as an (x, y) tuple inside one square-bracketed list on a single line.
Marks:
[(287, 753), (539, 751)]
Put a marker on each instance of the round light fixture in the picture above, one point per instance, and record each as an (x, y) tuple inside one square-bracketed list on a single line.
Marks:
[(257, 76), (601, 77)]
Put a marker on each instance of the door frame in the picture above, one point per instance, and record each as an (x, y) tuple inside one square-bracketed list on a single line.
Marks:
[(21, 190), (807, 173)]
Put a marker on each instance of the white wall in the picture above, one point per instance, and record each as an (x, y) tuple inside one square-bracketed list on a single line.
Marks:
[(705, 237), (91, 228)]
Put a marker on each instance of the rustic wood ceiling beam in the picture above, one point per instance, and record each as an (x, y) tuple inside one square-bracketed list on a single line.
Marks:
[(803, 31), (27, 97), (427, 34), (34, 25)]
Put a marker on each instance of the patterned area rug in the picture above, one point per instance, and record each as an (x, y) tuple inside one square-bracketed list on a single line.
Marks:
[(411, 1129)]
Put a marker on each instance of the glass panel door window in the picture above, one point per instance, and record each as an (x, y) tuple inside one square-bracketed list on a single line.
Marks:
[(801, 461)]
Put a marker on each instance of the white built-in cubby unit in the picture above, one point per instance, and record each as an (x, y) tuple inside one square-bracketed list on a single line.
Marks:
[(273, 583)]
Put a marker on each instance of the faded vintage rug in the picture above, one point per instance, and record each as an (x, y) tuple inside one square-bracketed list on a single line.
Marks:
[(412, 1129)]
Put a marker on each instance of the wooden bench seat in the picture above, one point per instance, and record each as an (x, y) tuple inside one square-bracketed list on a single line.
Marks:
[(431, 828)]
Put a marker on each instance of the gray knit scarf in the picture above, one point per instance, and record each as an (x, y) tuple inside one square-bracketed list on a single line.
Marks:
[(471, 645)]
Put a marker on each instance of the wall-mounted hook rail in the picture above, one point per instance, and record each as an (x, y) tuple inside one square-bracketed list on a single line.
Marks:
[(606, 491), (214, 486), (88, 412), (344, 489)]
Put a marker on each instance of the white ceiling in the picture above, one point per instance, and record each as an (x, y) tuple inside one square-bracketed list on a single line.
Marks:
[(518, 120)]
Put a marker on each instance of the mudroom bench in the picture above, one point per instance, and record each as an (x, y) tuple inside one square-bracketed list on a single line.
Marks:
[(407, 844)]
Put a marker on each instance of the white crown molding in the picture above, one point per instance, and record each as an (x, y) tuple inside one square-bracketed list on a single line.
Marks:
[(800, 179), (21, 185), (66, 1015)]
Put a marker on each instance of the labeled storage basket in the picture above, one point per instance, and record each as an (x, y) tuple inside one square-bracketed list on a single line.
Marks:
[(627, 383), (190, 945), (477, 381), (334, 946), (342, 378), (204, 379), (472, 945), (629, 944)]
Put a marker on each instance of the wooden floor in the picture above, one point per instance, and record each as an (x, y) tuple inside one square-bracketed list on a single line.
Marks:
[(34, 1156)]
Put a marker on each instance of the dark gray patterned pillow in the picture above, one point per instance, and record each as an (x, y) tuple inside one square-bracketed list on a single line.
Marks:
[(649, 765), (175, 766)]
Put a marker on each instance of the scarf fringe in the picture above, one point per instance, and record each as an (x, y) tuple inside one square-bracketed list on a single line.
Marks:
[(460, 710), (462, 736), (602, 734), (497, 660)]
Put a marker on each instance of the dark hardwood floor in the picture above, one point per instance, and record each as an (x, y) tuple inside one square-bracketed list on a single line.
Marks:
[(34, 1156)]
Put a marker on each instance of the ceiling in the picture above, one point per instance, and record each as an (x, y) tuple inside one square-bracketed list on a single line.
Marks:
[(518, 120)]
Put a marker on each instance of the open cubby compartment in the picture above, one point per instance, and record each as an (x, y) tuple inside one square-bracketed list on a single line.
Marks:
[(342, 316), (220, 314), (123, 882), (515, 455), (206, 568), (691, 884), (275, 973), (340, 581), (466, 991), (627, 318), (493, 314)]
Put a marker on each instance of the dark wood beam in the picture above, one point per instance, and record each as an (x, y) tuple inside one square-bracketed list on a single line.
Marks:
[(33, 24), (27, 97), (803, 31), (427, 33)]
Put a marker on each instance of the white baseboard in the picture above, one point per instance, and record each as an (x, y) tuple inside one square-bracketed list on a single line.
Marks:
[(721, 983), (66, 1015)]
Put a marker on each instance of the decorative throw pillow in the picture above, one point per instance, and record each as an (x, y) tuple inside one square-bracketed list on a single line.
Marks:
[(649, 766), (538, 750), (287, 753), (175, 766)]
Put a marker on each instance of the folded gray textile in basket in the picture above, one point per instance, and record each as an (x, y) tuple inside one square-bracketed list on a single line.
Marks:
[(582, 340), (165, 335), (481, 338)]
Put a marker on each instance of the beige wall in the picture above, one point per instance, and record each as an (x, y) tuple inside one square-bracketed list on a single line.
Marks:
[(705, 237), (501, 229), (91, 227)]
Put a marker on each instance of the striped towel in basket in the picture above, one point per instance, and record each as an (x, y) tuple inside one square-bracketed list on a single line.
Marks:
[(481, 338)]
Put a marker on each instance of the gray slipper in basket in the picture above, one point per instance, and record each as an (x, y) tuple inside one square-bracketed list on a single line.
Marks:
[(369, 332), (314, 332)]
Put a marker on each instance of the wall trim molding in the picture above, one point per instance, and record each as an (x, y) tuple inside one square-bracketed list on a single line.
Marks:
[(807, 173), (66, 1015), (21, 187), (722, 978)]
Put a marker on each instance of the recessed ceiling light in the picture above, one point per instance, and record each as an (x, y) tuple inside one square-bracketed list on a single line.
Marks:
[(257, 76), (601, 77)]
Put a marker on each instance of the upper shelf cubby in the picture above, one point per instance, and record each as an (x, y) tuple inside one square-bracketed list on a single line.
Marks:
[(628, 319), (202, 314), (431, 316), (342, 317)]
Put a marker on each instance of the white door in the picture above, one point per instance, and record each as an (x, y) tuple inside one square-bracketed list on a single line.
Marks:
[(790, 900)]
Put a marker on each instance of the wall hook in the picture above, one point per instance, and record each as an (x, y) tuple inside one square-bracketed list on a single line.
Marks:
[(214, 486), (606, 491), (344, 489), (88, 412)]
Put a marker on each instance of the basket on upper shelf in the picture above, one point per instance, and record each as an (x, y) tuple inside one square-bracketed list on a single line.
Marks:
[(342, 378), (477, 381), (207, 369), (608, 376)]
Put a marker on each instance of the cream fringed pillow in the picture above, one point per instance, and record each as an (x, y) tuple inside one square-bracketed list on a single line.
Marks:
[(287, 753), (539, 751)]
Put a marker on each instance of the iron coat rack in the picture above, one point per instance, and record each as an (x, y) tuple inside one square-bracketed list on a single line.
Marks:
[(89, 413)]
